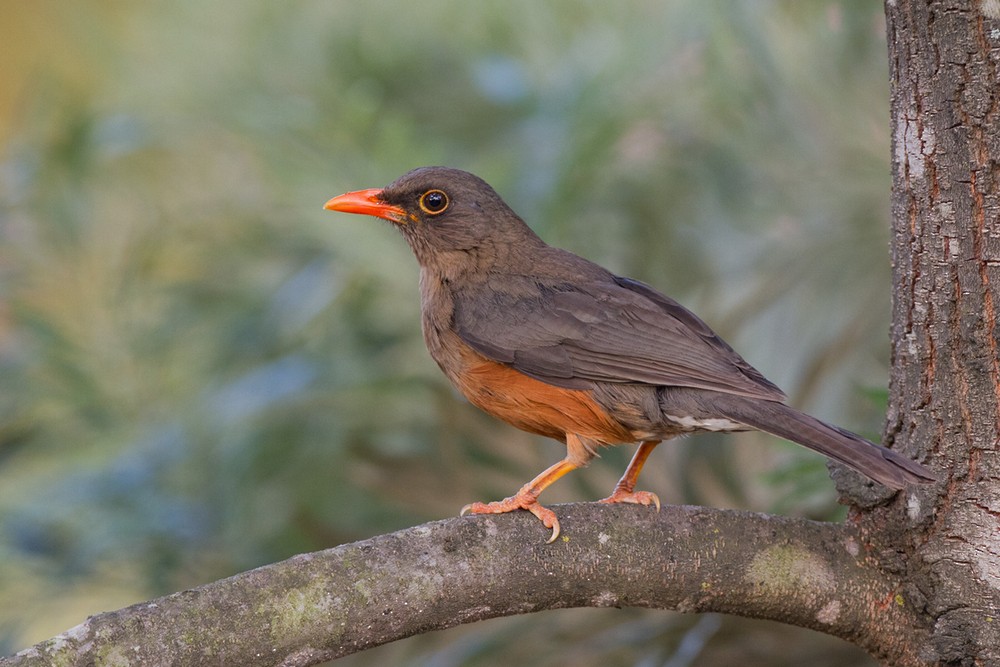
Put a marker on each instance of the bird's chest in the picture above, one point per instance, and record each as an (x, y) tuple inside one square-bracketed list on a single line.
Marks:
[(437, 309), (456, 359)]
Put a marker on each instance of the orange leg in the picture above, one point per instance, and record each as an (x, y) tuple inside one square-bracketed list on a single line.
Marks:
[(578, 454), (625, 488)]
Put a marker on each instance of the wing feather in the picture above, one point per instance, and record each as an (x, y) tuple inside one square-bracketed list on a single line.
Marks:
[(617, 330)]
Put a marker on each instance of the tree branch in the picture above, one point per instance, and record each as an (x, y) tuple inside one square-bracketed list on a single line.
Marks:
[(319, 606)]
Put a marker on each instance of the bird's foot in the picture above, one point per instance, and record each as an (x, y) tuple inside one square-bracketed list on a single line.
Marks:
[(519, 501), (637, 497)]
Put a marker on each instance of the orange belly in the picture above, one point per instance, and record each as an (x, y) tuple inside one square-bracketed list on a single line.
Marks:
[(532, 405)]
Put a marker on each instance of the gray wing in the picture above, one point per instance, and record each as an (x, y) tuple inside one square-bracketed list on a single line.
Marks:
[(616, 330)]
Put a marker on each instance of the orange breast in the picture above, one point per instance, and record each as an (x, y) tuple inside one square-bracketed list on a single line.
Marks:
[(533, 405)]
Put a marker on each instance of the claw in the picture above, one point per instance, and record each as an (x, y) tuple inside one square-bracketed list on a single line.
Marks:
[(548, 519), (545, 515), (636, 497)]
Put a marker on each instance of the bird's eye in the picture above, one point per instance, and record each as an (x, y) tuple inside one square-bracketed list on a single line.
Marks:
[(433, 202)]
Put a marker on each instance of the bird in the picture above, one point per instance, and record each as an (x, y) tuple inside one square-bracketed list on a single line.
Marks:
[(556, 345)]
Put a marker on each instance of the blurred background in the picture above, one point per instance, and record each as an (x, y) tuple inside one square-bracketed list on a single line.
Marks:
[(201, 371)]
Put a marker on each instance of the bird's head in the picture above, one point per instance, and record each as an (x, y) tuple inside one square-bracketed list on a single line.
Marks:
[(447, 215)]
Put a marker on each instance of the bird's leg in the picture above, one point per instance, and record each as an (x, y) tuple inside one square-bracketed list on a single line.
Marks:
[(579, 452), (625, 488)]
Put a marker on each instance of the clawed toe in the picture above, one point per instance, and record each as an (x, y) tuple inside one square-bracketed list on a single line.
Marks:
[(635, 497), (544, 514)]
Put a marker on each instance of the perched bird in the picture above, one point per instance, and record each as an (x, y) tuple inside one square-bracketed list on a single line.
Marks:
[(556, 345)]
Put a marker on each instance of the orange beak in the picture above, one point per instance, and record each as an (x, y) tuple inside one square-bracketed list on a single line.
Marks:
[(367, 202)]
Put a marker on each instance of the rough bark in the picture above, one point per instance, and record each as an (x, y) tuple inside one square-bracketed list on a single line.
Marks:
[(320, 606), (945, 388)]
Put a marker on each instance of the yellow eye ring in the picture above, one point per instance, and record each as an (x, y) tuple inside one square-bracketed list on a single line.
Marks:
[(433, 202)]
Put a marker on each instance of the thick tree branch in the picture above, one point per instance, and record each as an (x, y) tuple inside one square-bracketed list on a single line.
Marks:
[(323, 605)]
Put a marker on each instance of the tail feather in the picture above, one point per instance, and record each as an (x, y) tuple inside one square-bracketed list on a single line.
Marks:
[(880, 464)]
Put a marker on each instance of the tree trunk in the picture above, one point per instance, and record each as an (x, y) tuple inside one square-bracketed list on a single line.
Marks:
[(944, 401)]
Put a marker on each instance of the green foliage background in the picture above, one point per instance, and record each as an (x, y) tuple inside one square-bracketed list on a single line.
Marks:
[(202, 371)]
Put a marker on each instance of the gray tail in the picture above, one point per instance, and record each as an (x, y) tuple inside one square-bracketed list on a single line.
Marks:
[(880, 464)]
